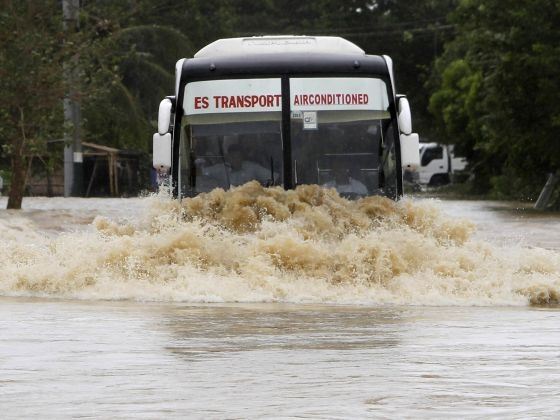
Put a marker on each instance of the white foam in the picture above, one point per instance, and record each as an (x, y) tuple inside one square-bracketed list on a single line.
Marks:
[(269, 245)]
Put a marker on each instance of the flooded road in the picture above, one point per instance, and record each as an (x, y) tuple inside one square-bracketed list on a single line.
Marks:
[(76, 352), (507, 223)]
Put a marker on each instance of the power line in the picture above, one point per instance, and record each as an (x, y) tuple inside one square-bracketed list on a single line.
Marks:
[(378, 32), (439, 28), (435, 21)]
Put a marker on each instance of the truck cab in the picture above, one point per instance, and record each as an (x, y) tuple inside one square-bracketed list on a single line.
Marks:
[(285, 111), (438, 164)]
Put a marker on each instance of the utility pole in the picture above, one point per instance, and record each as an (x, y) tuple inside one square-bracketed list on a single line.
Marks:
[(73, 158)]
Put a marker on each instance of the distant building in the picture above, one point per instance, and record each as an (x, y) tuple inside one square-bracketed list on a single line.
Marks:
[(108, 172)]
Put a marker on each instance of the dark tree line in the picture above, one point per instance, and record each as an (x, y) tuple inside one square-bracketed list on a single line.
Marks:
[(495, 93)]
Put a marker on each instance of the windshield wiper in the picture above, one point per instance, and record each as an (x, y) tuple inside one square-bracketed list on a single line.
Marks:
[(270, 183)]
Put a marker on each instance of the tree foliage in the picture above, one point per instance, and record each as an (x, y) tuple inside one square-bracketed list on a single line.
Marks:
[(495, 96), (31, 85)]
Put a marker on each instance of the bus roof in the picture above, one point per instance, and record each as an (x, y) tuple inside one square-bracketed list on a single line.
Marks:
[(277, 55), (279, 44)]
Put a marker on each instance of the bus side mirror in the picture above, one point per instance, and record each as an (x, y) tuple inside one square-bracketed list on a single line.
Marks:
[(164, 116), (162, 152), (405, 118), (410, 151)]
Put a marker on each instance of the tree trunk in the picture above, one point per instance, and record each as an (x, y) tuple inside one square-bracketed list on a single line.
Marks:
[(18, 181)]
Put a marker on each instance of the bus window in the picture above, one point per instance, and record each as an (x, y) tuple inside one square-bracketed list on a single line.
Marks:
[(232, 135), (343, 141)]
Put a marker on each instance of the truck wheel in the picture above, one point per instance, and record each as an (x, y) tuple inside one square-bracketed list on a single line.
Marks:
[(438, 180)]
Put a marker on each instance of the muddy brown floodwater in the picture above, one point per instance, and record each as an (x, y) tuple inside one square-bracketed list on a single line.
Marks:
[(255, 304)]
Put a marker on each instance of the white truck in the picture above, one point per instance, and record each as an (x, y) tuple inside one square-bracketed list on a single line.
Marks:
[(285, 110), (438, 164)]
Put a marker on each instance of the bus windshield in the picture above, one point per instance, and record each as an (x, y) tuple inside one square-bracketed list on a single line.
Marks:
[(342, 135), (228, 154)]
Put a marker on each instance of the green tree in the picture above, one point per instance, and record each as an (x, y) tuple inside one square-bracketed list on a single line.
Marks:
[(31, 84), (125, 59), (129, 61), (496, 92)]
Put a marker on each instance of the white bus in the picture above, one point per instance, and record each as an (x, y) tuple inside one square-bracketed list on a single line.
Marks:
[(285, 110)]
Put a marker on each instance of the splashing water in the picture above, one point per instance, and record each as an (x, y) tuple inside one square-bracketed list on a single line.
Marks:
[(255, 244)]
